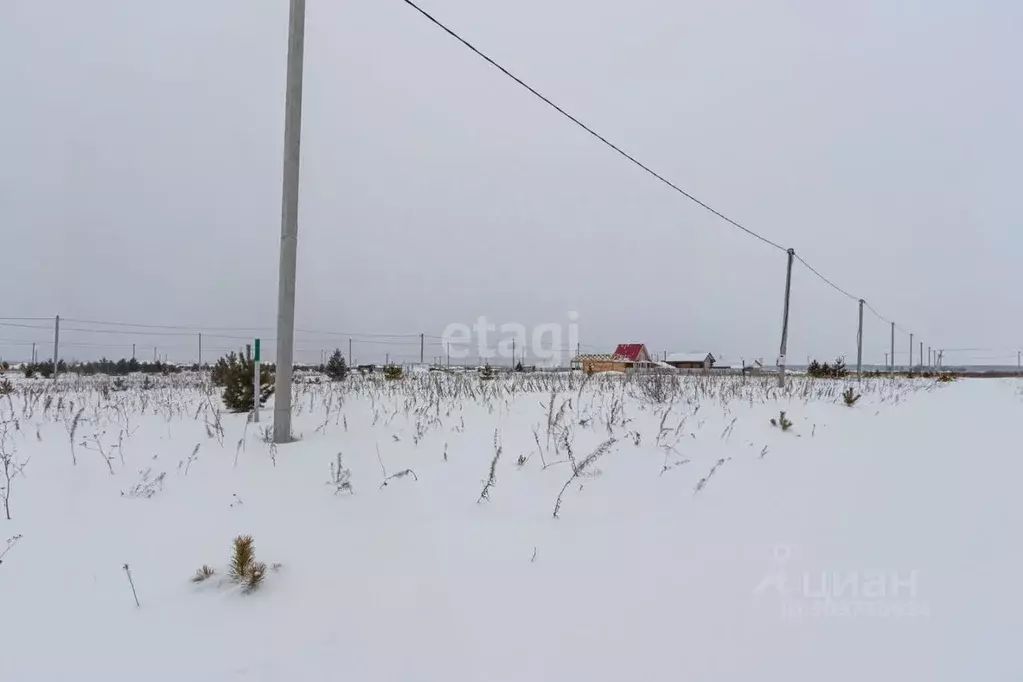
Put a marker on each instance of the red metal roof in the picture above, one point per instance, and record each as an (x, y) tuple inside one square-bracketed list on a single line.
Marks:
[(629, 350)]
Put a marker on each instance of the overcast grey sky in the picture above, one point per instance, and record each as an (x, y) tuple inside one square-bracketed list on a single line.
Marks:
[(141, 142)]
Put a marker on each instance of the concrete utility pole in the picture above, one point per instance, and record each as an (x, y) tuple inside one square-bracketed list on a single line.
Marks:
[(910, 352), (785, 320), (421, 346), (921, 355), (200, 351), (289, 223), (349, 353), (255, 385), (859, 344), (56, 344), (133, 351), (893, 347)]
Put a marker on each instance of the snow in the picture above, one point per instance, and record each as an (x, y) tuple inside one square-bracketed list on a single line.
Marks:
[(913, 492)]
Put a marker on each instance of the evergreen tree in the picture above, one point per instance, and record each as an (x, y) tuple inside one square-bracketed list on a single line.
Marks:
[(237, 373), (336, 367)]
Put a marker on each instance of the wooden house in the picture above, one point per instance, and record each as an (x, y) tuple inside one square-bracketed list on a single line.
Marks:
[(690, 360)]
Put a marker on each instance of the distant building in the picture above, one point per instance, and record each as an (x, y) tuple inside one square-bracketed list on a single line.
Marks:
[(627, 356), (690, 360)]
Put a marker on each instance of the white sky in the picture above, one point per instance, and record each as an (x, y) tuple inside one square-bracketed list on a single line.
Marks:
[(140, 169)]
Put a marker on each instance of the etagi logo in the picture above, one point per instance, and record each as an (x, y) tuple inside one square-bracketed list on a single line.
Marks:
[(842, 594), (550, 341)]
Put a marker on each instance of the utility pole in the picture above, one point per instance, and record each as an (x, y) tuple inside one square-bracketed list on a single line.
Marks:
[(200, 351), (289, 222), (910, 352), (513, 353), (859, 344), (893, 347), (33, 352), (349, 353), (447, 348), (154, 354), (56, 344), (133, 351), (387, 359), (255, 385), (785, 320), (421, 346), (886, 360), (921, 355)]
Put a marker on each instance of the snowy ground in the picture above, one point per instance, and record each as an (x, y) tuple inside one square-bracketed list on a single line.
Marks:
[(879, 541)]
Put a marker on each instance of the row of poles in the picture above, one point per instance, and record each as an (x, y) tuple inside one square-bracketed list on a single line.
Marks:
[(934, 357), (56, 348)]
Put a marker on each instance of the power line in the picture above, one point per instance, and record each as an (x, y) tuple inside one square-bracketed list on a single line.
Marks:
[(826, 280), (590, 130), (622, 152), (879, 315)]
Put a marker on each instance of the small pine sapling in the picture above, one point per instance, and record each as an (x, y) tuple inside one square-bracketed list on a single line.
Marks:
[(782, 422), (850, 396), (254, 578), (243, 558)]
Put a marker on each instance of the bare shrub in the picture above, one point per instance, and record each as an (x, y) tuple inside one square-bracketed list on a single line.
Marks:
[(203, 574), (491, 479), (146, 486), (585, 467), (340, 477)]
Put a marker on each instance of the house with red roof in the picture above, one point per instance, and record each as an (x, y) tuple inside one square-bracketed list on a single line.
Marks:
[(626, 356)]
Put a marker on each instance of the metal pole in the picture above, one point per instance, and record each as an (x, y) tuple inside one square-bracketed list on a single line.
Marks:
[(255, 385), (893, 347), (133, 351), (33, 352), (921, 355), (349, 353), (421, 345), (56, 344), (785, 320), (859, 344), (910, 352), (513, 354), (289, 223)]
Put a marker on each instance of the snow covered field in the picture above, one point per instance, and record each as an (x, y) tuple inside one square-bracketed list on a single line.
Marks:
[(879, 541)]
